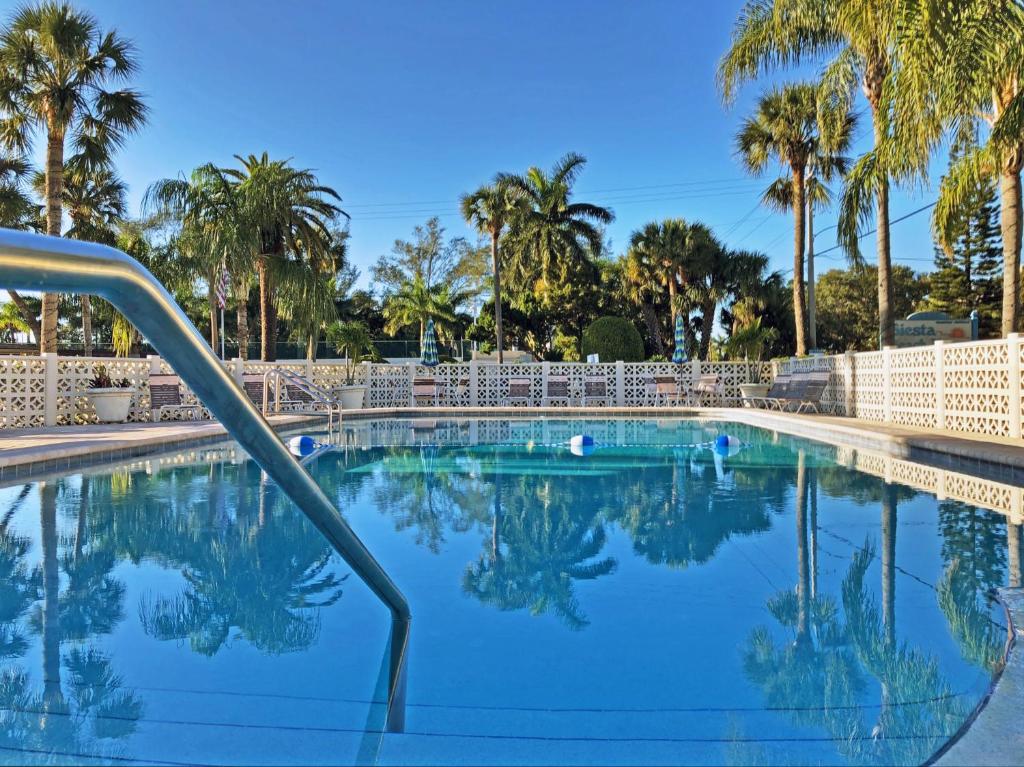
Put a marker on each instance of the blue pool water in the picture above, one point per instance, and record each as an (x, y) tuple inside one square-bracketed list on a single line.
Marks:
[(654, 602)]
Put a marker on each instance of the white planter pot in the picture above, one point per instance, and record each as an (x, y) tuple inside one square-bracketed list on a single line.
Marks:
[(352, 397), (111, 405), (753, 390)]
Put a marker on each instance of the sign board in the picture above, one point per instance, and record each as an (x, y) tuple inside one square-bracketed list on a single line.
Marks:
[(922, 332)]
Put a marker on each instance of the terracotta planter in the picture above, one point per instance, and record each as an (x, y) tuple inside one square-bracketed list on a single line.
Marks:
[(112, 405)]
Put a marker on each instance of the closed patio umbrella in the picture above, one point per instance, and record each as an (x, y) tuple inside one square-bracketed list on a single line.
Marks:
[(679, 355), (429, 345)]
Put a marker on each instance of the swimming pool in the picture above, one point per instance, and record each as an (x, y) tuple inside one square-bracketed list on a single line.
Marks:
[(656, 601)]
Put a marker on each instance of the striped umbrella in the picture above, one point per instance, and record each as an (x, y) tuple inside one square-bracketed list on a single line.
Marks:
[(429, 345), (679, 355)]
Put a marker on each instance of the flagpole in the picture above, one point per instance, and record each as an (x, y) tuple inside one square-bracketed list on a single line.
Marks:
[(222, 332)]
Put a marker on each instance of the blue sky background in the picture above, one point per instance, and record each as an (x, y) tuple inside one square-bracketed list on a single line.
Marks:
[(402, 106)]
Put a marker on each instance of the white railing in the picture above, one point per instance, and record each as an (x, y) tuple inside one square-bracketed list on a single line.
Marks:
[(973, 387)]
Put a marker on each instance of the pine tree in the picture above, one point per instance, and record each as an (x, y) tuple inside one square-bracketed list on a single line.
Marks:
[(969, 276)]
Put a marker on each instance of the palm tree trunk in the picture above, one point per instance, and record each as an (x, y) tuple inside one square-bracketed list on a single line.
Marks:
[(1014, 536), (812, 318), (799, 308), (27, 314), (499, 332), (52, 693), (268, 317), (707, 326), (211, 301), (1010, 220), (86, 325), (54, 209), (803, 590), (889, 564), (653, 330), (242, 318)]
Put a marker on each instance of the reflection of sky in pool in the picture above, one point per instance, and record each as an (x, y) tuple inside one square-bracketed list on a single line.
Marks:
[(646, 603)]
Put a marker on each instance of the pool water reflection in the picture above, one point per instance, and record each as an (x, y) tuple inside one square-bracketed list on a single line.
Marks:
[(652, 602)]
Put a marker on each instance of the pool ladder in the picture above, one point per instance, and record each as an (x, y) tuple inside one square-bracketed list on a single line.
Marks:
[(37, 262)]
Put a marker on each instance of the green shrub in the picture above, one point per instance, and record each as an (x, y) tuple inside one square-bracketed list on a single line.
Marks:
[(613, 339)]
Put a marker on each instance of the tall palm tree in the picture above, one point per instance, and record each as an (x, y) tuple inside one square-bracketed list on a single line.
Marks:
[(55, 68), (549, 235), (787, 126), (963, 67), (860, 37), (290, 214), (489, 209)]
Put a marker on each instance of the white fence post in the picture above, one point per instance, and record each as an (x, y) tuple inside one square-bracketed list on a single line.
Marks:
[(545, 371), (694, 372), (1013, 381), (238, 370), (849, 395), (887, 383), (50, 389), (309, 370), (940, 386), (620, 384), (154, 364), (474, 383), (412, 380)]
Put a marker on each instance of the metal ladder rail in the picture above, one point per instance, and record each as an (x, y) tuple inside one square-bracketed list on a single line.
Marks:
[(316, 393), (38, 262)]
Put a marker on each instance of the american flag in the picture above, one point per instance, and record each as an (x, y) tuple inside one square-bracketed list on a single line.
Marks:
[(221, 288)]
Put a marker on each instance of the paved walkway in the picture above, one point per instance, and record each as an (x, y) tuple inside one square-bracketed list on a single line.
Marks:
[(24, 451)]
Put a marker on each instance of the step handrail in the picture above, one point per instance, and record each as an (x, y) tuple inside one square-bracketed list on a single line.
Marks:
[(317, 394), (30, 261)]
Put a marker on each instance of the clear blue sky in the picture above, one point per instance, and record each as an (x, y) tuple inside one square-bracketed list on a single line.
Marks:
[(402, 106)]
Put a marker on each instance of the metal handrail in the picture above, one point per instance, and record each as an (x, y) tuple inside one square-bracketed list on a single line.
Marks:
[(317, 394), (31, 261)]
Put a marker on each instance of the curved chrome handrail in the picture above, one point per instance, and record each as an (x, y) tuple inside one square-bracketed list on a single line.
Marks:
[(37, 262)]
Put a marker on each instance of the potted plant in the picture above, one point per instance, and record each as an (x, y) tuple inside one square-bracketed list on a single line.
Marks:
[(111, 399), (351, 339)]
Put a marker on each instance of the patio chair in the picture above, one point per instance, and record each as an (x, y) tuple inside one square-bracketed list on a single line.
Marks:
[(165, 397), (814, 387), (556, 389), (775, 392), (650, 390), (519, 391), (429, 389), (707, 386), (595, 388), (792, 395), (459, 394), (666, 390)]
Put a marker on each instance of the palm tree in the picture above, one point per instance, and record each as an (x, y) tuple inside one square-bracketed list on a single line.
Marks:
[(415, 303), (787, 126), (95, 199), (656, 257), (489, 209), (549, 236), (55, 66), (962, 68), (290, 215), (860, 36)]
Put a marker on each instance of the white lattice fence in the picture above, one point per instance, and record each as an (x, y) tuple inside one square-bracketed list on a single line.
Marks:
[(22, 392)]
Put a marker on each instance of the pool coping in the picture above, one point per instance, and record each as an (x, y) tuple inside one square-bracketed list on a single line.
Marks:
[(992, 735), (35, 462)]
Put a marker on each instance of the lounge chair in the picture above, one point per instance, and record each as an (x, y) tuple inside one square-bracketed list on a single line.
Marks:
[(813, 389), (556, 390), (776, 392), (519, 390), (165, 397), (595, 388), (253, 385), (459, 395), (429, 389)]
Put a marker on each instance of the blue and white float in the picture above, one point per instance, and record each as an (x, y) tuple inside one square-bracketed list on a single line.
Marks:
[(302, 445), (582, 444)]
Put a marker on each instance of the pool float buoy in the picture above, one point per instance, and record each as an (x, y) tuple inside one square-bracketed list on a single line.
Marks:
[(582, 444), (302, 445)]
